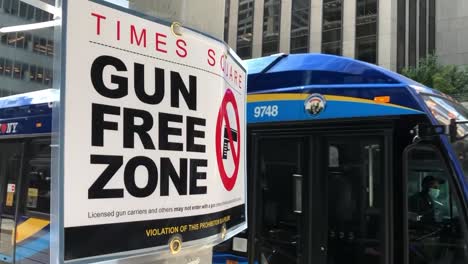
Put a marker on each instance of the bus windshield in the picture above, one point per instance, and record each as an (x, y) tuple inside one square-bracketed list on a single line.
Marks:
[(445, 109)]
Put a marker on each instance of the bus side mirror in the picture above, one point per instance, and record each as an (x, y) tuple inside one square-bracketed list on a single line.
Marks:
[(453, 130), (297, 193)]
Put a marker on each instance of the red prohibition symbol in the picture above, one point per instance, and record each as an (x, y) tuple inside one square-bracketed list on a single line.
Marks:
[(233, 137)]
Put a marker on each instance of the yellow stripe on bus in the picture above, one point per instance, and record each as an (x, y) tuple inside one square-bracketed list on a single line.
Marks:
[(294, 96), (276, 97), (29, 228)]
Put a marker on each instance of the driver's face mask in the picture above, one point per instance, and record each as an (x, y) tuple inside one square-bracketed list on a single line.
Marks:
[(434, 193)]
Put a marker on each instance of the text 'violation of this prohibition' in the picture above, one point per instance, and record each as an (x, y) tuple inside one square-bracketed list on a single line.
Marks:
[(169, 230)]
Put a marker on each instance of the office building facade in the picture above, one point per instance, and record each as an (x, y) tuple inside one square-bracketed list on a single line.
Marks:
[(26, 58), (452, 31), (393, 34)]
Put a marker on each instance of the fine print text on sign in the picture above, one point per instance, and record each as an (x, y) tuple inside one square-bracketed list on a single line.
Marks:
[(154, 133)]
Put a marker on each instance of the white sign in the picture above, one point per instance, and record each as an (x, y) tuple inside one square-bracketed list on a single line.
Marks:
[(154, 135), (11, 187)]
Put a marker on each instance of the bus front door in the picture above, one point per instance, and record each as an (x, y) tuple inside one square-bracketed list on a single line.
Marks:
[(351, 200), (11, 160), (279, 218), (319, 198)]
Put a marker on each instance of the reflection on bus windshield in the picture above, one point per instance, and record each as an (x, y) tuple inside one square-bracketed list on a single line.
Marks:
[(444, 110)]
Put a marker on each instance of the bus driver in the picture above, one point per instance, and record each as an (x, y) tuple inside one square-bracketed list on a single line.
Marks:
[(423, 202)]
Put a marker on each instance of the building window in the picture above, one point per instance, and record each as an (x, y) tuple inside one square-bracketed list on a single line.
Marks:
[(50, 48), (6, 6), (245, 28), (23, 10), (32, 72), (40, 45), (14, 7), (422, 29), (17, 70), (332, 27), (39, 74), (8, 66), (48, 78), (20, 40), (271, 27), (27, 40), (38, 15), (366, 30), (2, 67), (401, 35), (227, 9), (300, 26), (12, 39), (432, 15), (412, 34), (30, 12)]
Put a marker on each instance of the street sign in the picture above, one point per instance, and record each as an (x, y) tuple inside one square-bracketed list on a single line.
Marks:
[(153, 139)]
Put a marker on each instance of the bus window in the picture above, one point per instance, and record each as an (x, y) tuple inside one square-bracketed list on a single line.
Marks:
[(436, 231), (444, 110), (39, 180), (355, 188), (280, 223), (10, 171)]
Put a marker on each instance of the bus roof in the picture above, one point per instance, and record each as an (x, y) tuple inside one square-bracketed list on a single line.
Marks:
[(28, 113), (295, 70), (32, 98), (350, 88)]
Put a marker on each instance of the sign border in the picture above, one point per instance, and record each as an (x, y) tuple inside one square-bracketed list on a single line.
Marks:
[(57, 230)]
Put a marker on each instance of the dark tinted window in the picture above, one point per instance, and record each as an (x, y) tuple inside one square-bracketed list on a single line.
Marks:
[(17, 70), (14, 7), (366, 30), (30, 14), (8, 67), (401, 34), (300, 18), (227, 9), (412, 34), (38, 189), (432, 14), (23, 9), (422, 29), (2, 66), (6, 6), (332, 27), (245, 28), (271, 27)]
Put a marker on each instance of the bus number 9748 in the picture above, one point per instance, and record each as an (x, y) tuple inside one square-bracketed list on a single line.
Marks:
[(266, 110)]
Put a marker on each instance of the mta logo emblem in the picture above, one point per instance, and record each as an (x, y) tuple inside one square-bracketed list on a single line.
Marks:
[(315, 104)]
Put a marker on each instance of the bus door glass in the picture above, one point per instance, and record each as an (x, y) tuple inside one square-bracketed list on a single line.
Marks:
[(321, 199), (437, 224), (32, 231), (11, 160), (279, 224), (353, 176)]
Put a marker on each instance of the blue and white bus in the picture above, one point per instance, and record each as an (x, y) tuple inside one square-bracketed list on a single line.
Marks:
[(351, 163), (25, 179)]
